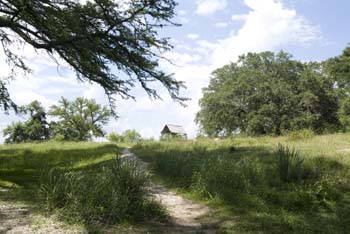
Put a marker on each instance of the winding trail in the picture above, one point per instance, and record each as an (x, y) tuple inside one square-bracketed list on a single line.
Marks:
[(185, 214)]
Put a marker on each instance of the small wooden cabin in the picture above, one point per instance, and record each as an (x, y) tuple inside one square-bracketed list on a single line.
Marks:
[(173, 130)]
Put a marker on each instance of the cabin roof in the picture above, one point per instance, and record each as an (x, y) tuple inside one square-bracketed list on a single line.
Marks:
[(177, 129)]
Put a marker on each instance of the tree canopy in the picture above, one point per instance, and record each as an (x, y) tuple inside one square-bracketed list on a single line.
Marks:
[(79, 120), (93, 38), (35, 128), (129, 135), (267, 93)]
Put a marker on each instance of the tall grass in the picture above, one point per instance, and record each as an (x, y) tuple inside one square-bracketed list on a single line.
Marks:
[(272, 188), (84, 181), (289, 164), (110, 193)]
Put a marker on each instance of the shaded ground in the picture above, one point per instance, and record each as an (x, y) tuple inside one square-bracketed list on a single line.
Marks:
[(185, 214), (18, 218)]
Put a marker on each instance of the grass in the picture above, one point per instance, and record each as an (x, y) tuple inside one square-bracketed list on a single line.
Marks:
[(85, 183), (259, 186)]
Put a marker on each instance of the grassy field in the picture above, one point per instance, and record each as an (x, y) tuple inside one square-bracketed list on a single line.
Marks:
[(299, 183), (82, 183)]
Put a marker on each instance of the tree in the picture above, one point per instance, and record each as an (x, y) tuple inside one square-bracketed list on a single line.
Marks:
[(93, 38), (35, 128), (79, 120), (344, 113), (267, 93), (115, 137), (338, 70), (129, 135)]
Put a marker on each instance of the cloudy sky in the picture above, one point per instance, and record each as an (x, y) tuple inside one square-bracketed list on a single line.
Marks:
[(213, 33)]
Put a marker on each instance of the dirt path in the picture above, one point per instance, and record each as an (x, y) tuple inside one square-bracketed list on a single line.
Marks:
[(18, 218), (185, 213)]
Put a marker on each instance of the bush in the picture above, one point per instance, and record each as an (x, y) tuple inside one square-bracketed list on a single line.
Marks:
[(300, 135), (112, 193), (115, 137), (59, 137), (289, 164), (343, 214), (128, 136)]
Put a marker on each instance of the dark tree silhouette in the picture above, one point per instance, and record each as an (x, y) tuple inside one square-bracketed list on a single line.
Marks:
[(93, 38)]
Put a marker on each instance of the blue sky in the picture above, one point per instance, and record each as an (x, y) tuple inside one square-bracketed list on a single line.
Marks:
[(213, 33)]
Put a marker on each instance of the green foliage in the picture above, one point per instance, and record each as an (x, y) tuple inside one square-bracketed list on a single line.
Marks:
[(115, 137), (289, 164), (269, 190), (338, 69), (111, 193), (344, 113), (343, 214), (92, 38), (268, 94), (35, 128), (5, 101), (172, 137), (79, 120), (80, 181), (128, 136), (300, 135), (131, 135)]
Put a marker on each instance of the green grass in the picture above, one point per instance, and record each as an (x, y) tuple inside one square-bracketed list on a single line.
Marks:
[(257, 186), (82, 182)]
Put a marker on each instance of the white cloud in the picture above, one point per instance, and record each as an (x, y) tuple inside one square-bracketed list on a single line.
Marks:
[(221, 24), (193, 36), (239, 17), (182, 17), (179, 59), (209, 7), (267, 26)]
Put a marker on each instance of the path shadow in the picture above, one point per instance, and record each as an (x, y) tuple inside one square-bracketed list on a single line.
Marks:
[(269, 206)]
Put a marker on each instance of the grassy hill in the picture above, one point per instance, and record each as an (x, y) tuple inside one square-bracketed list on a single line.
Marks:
[(299, 183), (81, 182)]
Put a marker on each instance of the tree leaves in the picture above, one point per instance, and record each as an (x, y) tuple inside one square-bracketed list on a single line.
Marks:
[(267, 93), (95, 37)]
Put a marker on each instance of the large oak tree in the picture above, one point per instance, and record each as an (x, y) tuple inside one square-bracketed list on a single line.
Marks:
[(93, 38), (268, 93)]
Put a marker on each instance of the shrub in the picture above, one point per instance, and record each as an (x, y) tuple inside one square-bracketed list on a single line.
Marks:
[(289, 164), (115, 137), (112, 193), (300, 135), (343, 214), (59, 137)]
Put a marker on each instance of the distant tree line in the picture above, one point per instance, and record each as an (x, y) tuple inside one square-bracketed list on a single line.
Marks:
[(129, 135), (268, 93), (77, 120)]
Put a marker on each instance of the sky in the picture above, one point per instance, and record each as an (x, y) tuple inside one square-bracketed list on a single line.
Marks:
[(213, 33)]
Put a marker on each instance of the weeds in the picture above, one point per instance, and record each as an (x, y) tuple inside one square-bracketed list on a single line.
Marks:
[(82, 181), (271, 190), (289, 164), (111, 193), (300, 135)]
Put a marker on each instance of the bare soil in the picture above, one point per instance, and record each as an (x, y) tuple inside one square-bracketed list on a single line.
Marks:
[(19, 218), (186, 215)]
